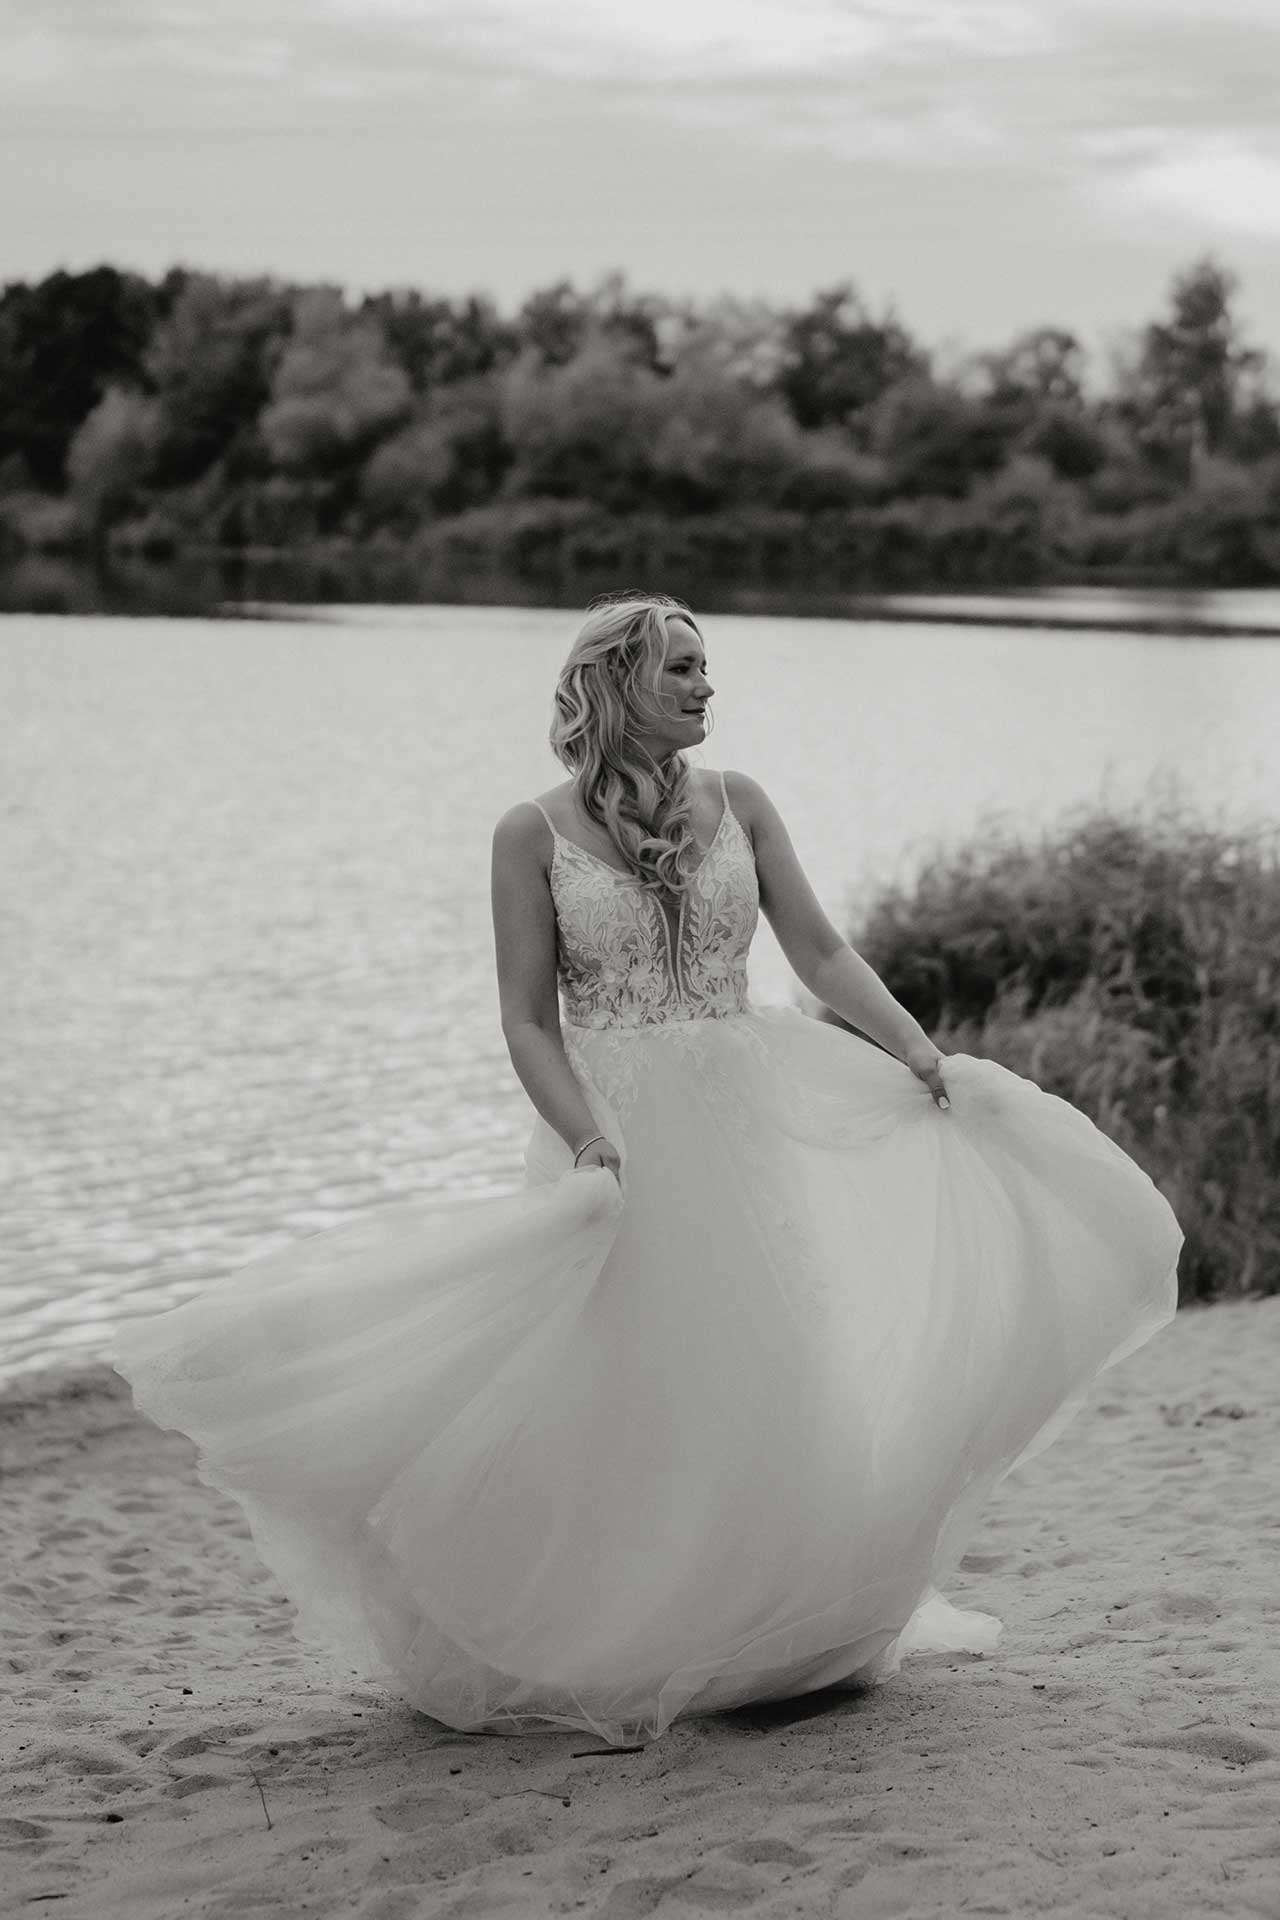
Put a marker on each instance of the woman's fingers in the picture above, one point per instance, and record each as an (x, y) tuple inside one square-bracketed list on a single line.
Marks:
[(926, 1063), (930, 1073)]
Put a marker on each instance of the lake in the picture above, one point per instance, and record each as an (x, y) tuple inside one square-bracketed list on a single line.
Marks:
[(247, 954)]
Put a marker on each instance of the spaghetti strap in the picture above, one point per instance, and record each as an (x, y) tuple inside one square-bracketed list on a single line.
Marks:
[(546, 816)]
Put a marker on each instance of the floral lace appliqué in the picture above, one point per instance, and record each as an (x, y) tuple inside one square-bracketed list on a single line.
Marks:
[(622, 960)]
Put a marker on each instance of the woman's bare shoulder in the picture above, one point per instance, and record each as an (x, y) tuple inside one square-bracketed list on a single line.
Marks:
[(522, 830), (746, 796)]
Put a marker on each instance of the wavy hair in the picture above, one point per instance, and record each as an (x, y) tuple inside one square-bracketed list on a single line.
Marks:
[(607, 693)]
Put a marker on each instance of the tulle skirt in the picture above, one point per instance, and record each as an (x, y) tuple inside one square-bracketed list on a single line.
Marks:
[(597, 1453)]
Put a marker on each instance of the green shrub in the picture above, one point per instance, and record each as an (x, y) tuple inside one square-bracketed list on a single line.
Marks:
[(1131, 964)]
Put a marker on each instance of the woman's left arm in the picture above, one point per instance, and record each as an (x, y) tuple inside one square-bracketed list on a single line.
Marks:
[(825, 962)]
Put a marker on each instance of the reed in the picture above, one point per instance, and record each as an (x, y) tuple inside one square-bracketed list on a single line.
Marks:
[(1128, 961)]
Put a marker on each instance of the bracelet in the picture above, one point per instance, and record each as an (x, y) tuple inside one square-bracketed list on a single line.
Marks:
[(586, 1143)]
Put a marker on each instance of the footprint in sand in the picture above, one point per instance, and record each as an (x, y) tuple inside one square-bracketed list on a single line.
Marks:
[(142, 1740), (1216, 1743), (397, 1903), (19, 1833), (772, 1853), (855, 1829), (78, 1760), (905, 1846), (199, 1783), (1186, 1606), (418, 1810), (636, 1899)]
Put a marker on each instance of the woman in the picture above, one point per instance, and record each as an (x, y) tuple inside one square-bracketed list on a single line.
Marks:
[(705, 1411)]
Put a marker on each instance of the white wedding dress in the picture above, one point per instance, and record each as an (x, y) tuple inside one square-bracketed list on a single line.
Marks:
[(592, 1455)]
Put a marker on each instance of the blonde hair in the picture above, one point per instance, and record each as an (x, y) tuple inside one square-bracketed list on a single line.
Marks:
[(606, 694)]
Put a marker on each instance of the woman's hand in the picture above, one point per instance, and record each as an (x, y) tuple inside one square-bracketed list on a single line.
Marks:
[(923, 1059), (601, 1153)]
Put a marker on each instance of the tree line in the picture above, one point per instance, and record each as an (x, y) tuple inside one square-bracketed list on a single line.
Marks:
[(615, 430)]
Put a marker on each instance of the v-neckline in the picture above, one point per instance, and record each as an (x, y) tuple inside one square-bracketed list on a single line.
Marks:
[(625, 873)]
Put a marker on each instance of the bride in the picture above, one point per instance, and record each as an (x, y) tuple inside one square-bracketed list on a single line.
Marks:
[(705, 1411)]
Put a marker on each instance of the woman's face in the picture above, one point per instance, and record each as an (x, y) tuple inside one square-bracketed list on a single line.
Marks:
[(683, 692)]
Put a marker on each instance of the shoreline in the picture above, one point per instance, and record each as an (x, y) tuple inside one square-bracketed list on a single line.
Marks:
[(168, 1743), (866, 613), (284, 584), (864, 610)]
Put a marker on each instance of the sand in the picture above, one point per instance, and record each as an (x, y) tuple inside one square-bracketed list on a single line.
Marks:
[(171, 1749)]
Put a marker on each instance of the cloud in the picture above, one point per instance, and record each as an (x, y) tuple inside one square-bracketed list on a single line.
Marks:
[(682, 39), (1217, 183), (1164, 105), (923, 84)]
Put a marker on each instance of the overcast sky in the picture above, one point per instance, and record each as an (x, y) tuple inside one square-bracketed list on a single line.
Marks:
[(982, 164)]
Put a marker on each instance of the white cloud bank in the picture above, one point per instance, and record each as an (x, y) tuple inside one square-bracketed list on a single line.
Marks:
[(1217, 183)]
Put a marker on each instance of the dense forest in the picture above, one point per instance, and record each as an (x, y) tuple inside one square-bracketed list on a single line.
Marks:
[(624, 432)]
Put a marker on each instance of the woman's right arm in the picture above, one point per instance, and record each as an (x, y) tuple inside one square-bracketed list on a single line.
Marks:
[(524, 934)]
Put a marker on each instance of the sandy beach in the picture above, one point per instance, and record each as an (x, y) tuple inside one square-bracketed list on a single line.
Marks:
[(169, 1748)]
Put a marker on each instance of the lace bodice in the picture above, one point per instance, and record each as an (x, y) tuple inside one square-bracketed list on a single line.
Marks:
[(625, 961)]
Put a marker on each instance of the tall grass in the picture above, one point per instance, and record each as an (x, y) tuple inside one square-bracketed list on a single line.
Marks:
[(1129, 962)]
